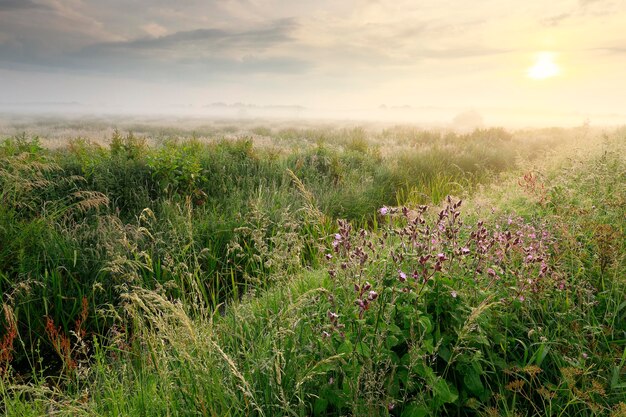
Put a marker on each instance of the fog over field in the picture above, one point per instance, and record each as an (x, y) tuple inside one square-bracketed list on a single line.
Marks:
[(377, 208), (513, 63)]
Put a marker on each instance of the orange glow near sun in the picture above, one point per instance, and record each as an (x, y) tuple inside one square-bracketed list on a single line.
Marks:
[(544, 67)]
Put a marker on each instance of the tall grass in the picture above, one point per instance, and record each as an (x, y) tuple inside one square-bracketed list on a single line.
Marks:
[(192, 278)]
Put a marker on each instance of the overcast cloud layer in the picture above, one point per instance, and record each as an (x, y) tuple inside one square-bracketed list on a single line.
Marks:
[(328, 56)]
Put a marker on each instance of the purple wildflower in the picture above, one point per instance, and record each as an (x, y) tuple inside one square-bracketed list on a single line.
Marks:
[(333, 316)]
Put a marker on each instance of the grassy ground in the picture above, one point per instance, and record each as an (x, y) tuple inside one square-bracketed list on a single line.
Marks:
[(211, 277)]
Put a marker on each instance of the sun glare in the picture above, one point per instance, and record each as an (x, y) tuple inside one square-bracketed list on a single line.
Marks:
[(544, 67)]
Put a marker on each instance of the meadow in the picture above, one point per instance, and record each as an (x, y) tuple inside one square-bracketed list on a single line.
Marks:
[(277, 269)]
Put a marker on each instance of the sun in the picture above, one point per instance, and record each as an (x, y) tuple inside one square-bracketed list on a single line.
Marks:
[(544, 67)]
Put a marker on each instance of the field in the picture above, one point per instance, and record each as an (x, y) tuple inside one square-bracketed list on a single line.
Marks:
[(311, 269)]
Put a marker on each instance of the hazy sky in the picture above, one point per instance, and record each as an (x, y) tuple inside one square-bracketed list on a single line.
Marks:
[(338, 56)]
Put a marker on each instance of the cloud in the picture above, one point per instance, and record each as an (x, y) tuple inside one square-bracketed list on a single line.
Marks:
[(193, 55), (460, 53), (273, 33), (154, 29), (613, 50), (558, 19), (9, 5)]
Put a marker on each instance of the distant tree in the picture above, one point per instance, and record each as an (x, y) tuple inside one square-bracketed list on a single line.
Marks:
[(468, 120)]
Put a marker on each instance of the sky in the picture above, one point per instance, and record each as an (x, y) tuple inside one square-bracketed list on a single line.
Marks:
[(415, 60)]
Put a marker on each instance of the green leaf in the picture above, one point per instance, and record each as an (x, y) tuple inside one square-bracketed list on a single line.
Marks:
[(426, 323), (429, 345), (540, 354), (391, 341), (345, 347), (445, 353), (425, 372), (415, 410), (444, 393), (394, 329), (472, 381), (362, 349)]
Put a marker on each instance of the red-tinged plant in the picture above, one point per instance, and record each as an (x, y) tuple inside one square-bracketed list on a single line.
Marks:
[(61, 341), (61, 344), (531, 184), (84, 313), (6, 345)]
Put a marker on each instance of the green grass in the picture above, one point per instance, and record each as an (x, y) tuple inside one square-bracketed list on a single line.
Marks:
[(208, 292)]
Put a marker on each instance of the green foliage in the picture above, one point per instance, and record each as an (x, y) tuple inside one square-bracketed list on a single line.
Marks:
[(187, 278), (127, 147)]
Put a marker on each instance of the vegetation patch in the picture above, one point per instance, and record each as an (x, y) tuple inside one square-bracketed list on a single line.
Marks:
[(396, 272)]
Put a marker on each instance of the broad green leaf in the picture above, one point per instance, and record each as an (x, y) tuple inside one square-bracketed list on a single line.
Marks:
[(427, 325), (444, 392), (391, 341), (345, 347), (472, 381)]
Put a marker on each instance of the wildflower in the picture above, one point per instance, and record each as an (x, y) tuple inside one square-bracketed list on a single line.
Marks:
[(325, 334), (333, 317), (401, 276), (372, 295), (442, 257), (453, 294), (337, 236), (585, 356), (465, 250), (521, 298), (329, 256), (383, 210)]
